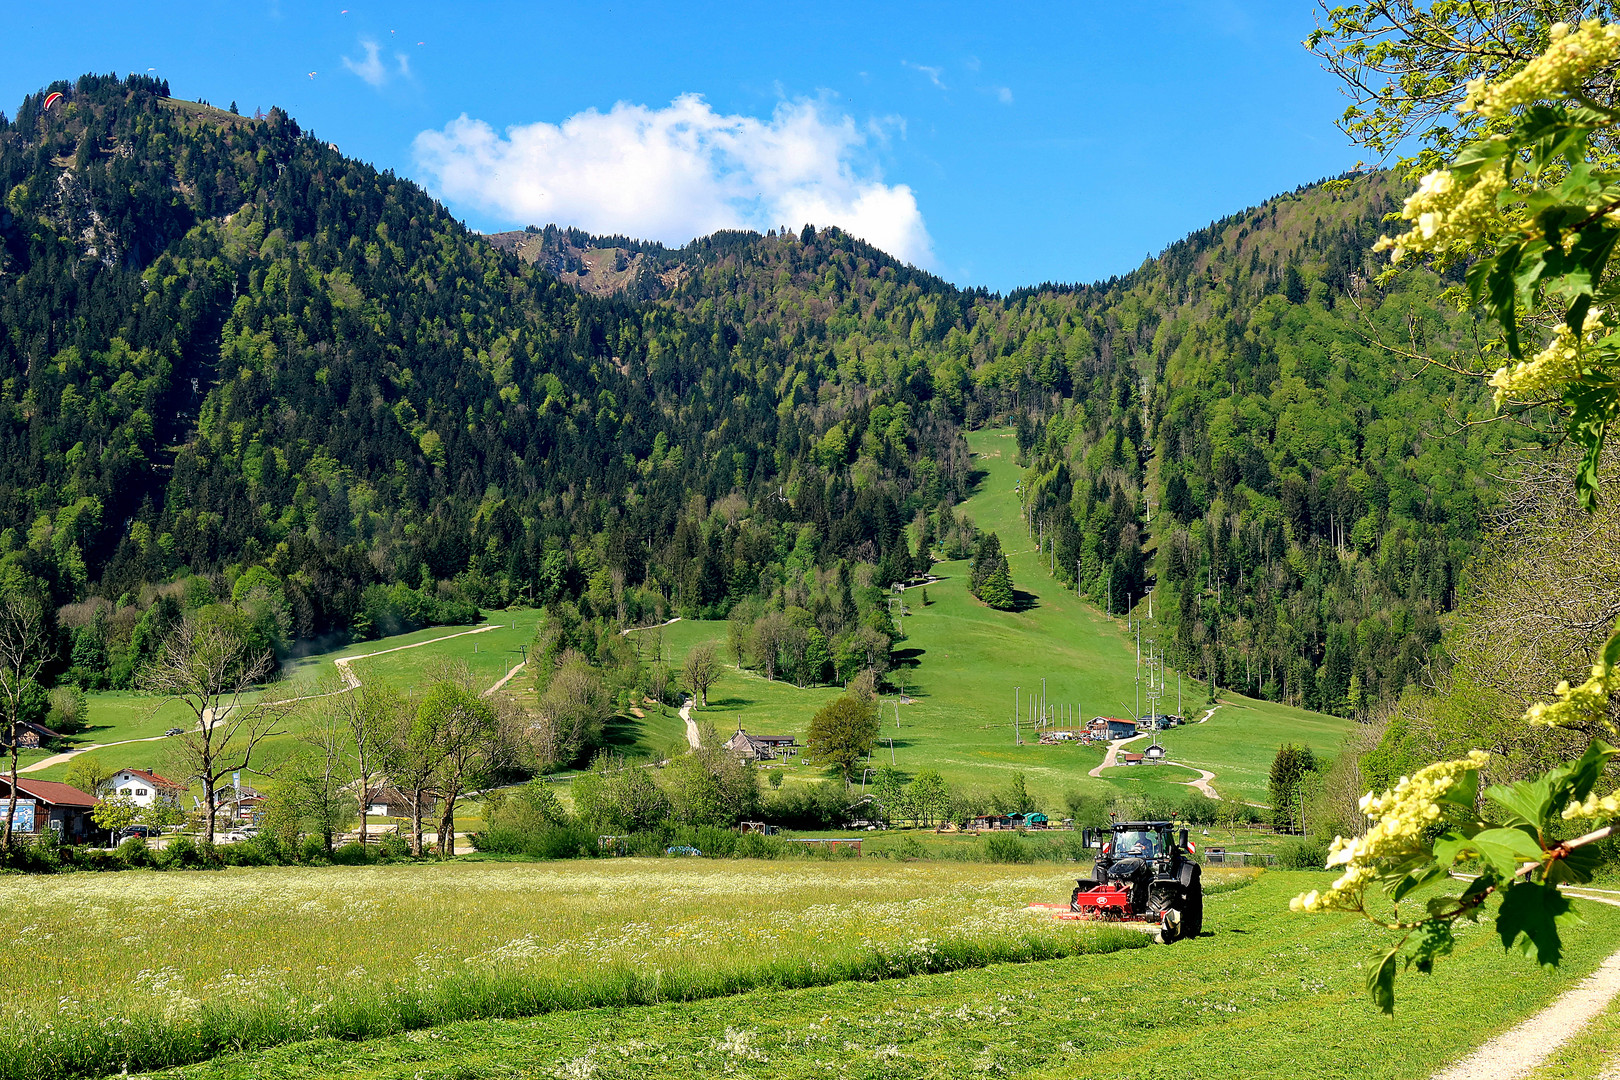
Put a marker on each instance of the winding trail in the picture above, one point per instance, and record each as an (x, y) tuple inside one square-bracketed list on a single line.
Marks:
[(351, 682), (691, 725), (1523, 1048), (1110, 759)]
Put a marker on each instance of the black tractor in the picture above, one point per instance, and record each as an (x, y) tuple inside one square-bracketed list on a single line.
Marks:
[(1144, 874)]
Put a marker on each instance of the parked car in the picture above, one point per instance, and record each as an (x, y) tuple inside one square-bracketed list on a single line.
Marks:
[(174, 731), (142, 831), (235, 836)]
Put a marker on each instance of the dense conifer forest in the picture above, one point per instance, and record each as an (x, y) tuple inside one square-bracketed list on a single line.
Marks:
[(238, 366)]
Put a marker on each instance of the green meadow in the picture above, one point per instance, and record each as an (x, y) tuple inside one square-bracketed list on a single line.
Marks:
[(963, 664)]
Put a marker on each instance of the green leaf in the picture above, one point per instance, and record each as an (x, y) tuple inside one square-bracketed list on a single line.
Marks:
[(1528, 802), (1531, 917), (1416, 880), (1506, 849), (1575, 868), (1463, 793), (1381, 980)]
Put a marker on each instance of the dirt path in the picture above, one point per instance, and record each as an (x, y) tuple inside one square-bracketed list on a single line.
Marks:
[(1202, 783), (1113, 752), (69, 755), (508, 677), (636, 629), (1521, 1049), (691, 725)]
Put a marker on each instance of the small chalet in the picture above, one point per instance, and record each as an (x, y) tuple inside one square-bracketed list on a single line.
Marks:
[(31, 736), (992, 821), (46, 804), (386, 800), (761, 747), (1154, 752), (1131, 759), (146, 788)]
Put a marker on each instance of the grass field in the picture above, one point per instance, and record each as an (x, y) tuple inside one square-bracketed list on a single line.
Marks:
[(167, 968), (118, 717), (1263, 994)]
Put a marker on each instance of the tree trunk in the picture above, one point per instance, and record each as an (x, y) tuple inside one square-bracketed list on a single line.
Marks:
[(212, 804), (416, 822), (365, 791), (11, 802), (447, 826)]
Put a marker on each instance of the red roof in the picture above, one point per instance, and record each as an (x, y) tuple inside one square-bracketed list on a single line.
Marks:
[(154, 779), (49, 791)]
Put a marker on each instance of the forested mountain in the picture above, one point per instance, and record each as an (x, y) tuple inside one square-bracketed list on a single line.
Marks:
[(1314, 495), (223, 345)]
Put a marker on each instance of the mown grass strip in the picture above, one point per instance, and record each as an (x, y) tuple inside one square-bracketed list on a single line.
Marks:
[(110, 1044)]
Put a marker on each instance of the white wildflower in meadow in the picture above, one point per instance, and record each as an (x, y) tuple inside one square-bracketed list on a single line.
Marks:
[(1399, 818), (1571, 57)]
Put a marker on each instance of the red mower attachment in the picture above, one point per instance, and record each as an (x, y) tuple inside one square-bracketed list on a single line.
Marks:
[(1103, 902)]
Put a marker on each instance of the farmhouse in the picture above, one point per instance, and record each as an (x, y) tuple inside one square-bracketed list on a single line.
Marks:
[(31, 736), (386, 800), (145, 788), (1106, 727), (46, 804), (1154, 752), (761, 747)]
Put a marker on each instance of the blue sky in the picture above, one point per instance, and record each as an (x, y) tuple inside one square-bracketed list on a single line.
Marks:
[(997, 145)]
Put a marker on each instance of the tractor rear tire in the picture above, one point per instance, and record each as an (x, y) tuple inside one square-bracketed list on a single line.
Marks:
[(1164, 901), (1192, 904)]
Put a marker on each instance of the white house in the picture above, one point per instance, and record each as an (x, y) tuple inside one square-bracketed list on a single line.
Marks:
[(145, 788)]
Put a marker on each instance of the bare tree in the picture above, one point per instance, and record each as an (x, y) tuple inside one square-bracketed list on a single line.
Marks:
[(701, 671), (211, 667), (316, 775), (22, 639), (369, 714)]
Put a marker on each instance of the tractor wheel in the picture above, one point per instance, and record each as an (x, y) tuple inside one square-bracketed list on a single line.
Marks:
[(1164, 904), (1192, 900)]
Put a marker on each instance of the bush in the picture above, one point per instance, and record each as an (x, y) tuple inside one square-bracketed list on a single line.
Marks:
[(910, 848), (133, 854), (393, 846), (1006, 847), (353, 853), (312, 849), (1302, 854)]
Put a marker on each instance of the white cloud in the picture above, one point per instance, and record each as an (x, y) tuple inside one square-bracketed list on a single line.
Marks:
[(404, 64), (936, 75), (679, 172), (1003, 95), (371, 68)]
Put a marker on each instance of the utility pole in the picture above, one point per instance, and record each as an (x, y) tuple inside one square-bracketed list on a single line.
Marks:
[(896, 714), (1043, 702), (1077, 579), (1015, 714)]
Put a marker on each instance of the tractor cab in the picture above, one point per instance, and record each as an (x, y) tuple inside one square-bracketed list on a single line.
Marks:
[(1144, 873)]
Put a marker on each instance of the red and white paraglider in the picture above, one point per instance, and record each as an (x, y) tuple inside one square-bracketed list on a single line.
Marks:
[(53, 98)]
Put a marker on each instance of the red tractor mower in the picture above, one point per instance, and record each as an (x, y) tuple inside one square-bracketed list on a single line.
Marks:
[(1142, 876)]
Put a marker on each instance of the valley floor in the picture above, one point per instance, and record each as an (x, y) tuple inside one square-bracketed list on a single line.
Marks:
[(1262, 994)]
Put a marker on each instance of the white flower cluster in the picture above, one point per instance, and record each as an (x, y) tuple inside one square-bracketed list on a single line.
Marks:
[(1399, 820), (1606, 807), (1546, 374), (1586, 702), (1571, 56), (1448, 214)]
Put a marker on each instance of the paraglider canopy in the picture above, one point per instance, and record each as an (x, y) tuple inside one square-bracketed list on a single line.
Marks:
[(53, 98)]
